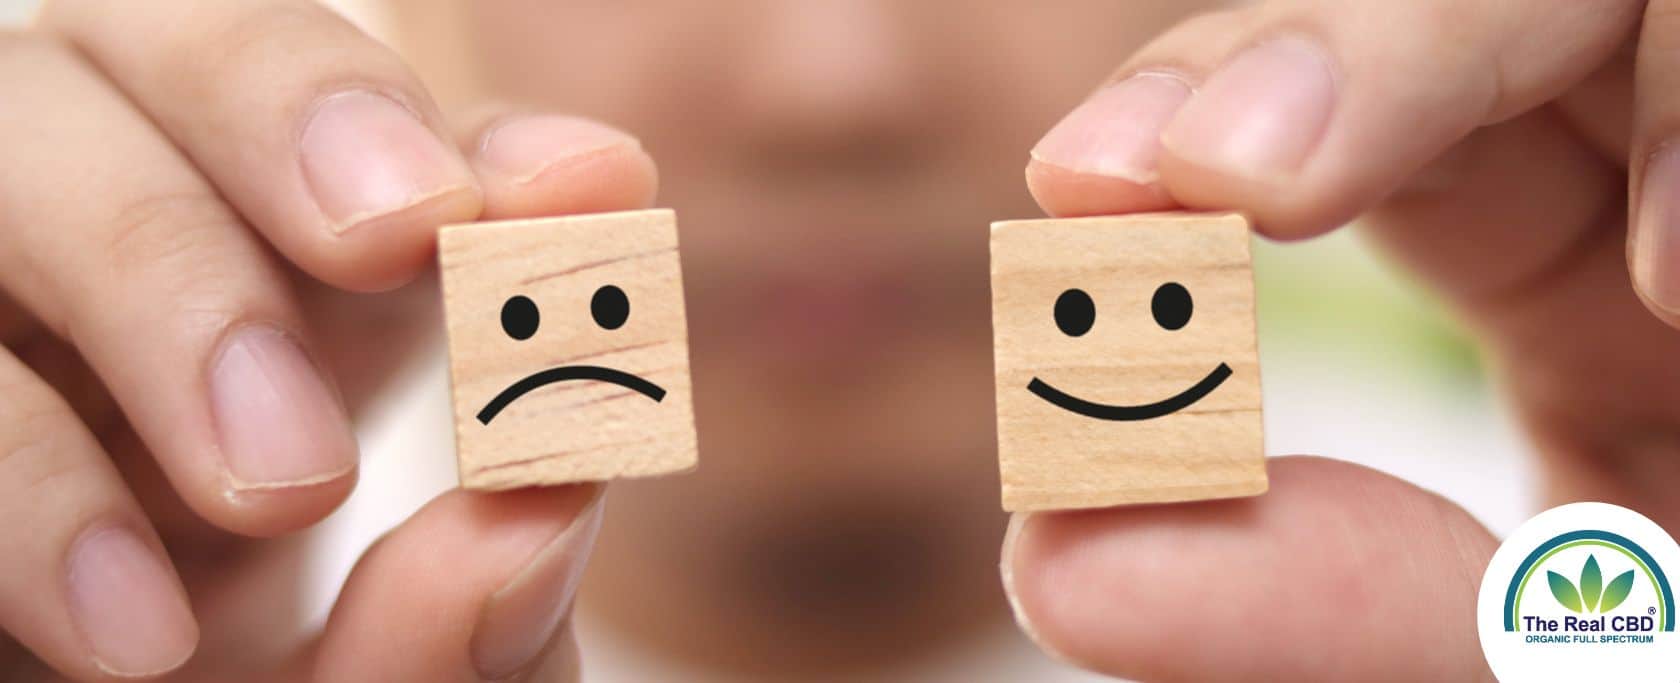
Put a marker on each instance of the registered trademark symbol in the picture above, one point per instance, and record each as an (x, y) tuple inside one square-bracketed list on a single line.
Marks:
[(1651, 610)]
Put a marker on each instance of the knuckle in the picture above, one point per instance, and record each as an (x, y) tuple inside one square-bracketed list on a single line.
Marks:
[(305, 38), (26, 403), (168, 231), (1209, 20), (174, 247), (27, 46), (13, 39), (36, 430), (183, 253), (246, 32), (33, 468)]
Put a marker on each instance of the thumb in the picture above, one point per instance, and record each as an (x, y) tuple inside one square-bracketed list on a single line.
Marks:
[(474, 586), (1338, 573)]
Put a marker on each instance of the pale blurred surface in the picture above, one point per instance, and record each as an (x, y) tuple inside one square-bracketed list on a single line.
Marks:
[(1358, 365), (16, 11)]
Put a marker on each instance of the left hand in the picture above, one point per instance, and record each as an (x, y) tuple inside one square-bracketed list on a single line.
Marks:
[(199, 200)]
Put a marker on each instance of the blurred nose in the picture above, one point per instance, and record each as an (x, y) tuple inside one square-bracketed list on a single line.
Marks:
[(827, 74)]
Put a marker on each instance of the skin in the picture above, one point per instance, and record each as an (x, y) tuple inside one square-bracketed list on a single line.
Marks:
[(832, 164)]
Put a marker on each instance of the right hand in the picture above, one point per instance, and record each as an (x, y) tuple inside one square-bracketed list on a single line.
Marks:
[(198, 199), (1520, 156)]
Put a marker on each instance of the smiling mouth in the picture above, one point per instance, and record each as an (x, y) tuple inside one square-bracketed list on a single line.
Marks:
[(1146, 411), (565, 373)]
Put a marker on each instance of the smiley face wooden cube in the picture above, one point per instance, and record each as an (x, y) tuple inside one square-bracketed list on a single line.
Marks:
[(1127, 367), (568, 349)]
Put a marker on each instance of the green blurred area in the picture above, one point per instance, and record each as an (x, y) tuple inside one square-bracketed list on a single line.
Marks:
[(1337, 293)]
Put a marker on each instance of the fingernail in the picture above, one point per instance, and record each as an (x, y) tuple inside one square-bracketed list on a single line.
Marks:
[(1116, 133), (366, 156), (1261, 115), (278, 422), (524, 147), (1656, 231), (129, 606), (522, 617), (1006, 569)]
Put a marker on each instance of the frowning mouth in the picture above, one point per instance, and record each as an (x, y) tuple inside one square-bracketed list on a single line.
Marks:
[(566, 373), (1147, 411)]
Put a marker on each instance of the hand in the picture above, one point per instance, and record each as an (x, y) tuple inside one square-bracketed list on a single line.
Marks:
[(176, 179), (1494, 147)]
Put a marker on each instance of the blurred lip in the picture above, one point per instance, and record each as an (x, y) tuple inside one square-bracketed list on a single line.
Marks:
[(803, 315), (806, 294)]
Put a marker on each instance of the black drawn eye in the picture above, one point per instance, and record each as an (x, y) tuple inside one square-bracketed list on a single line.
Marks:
[(1171, 306), (520, 317), (1075, 312), (610, 307)]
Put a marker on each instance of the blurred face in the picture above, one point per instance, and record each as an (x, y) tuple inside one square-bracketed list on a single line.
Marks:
[(834, 165)]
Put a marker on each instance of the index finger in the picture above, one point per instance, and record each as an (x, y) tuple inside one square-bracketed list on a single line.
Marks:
[(319, 135), (1305, 114)]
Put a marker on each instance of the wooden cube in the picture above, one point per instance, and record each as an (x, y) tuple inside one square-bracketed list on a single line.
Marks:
[(1126, 361), (568, 349)]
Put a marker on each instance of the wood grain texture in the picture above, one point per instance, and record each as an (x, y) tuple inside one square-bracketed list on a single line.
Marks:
[(578, 429), (1052, 458)]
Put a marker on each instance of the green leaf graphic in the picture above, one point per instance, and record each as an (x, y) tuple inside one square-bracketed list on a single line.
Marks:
[(1591, 583), (1617, 591), (1564, 591)]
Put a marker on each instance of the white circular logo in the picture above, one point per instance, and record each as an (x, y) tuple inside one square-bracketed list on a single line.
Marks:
[(1582, 592)]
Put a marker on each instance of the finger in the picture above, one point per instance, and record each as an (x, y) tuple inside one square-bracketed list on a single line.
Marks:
[(563, 663), (1523, 230), (118, 246), (1306, 113), (1344, 557), (531, 164), (1502, 220), (1654, 182), (315, 132), (84, 582), (1600, 107), (475, 586)]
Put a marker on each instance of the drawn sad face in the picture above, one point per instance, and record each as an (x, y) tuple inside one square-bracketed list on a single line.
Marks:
[(610, 309), (568, 349)]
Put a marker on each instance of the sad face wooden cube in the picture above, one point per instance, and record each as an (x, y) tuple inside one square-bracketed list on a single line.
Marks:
[(1127, 369), (568, 349)]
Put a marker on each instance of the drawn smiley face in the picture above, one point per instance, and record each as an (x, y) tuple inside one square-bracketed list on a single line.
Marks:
[(1127, 369), (1171, 306), (520, 319)]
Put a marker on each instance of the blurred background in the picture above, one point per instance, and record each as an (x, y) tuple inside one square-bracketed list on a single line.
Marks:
[(1359, 364)]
